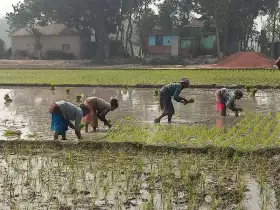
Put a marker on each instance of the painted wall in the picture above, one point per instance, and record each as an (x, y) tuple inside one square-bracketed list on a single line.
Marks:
[(185, 44), (207, 42), (166, 40)]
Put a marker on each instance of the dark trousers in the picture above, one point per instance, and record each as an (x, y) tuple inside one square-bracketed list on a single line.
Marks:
[(166, 104), (102, 117)]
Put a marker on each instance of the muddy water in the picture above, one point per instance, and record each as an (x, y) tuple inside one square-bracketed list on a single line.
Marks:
[(29, 110), (108, 180)]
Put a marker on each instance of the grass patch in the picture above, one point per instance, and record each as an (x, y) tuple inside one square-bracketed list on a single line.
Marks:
[(253, 132), (143, 77)]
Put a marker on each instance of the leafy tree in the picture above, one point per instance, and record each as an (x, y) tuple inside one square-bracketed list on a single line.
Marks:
[(2, 48), (272, 26), (175, 13), (3, 32), (234, 19), (145, 22)]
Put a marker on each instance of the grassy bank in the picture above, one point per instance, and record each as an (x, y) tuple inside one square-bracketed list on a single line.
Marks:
[(140, 77)]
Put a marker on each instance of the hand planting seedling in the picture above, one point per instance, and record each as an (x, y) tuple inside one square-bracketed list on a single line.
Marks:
[(78, 97), (7, 98), (67, 90), (82, 125), (52, 87)]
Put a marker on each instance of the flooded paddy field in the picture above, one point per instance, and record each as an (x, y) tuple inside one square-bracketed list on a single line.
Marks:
[(28, 112), (40, 176), (67, 179)]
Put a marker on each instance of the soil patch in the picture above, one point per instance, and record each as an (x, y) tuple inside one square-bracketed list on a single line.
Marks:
[(246, 60)]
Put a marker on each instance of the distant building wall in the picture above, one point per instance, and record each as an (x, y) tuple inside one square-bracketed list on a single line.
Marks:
[(69, 44)]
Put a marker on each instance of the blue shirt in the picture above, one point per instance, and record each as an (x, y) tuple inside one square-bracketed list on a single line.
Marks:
[(173, 90), (71, 112)]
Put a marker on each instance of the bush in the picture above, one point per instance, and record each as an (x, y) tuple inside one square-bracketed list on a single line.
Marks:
[(166, 61), (59, 55), (21, 54), (8, 53)]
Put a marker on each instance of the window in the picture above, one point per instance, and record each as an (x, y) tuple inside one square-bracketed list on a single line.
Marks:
[(65, 47), (159, 40)]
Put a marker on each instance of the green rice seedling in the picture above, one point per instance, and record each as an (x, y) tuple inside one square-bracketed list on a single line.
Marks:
[(156, 93), (12, 133), (52, 87), (127, 118), (67, 90), (82, 125), (7, 98), (78, 97), (254, 91), (248, 88), (262, 177), (191, 101)]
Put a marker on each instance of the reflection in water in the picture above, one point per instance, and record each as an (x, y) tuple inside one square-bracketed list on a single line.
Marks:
[(30, 106), (257, 200)]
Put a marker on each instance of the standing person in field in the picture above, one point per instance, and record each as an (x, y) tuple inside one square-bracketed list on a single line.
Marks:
[(226, 99), (62, 113), (165, 95), (99, 108)]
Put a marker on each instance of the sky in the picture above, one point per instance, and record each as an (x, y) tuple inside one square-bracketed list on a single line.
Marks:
[(6, 6)]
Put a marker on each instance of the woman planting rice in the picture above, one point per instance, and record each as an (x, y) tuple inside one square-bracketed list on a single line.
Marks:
[(62, 113), (165, 95), (226, 99), (99, 108)]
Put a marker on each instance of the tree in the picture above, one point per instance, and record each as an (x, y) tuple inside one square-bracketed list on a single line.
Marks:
[(269, 25), (175, 13), (217, 11), (145, 22), (234, 19), (4, 35), (2, 48)]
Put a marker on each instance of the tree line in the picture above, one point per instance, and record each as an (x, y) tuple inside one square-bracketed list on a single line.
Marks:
[(128, 19)]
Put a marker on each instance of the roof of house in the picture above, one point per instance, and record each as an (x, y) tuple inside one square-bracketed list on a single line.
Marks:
[(49, 30), (173, 32), (196, 24)]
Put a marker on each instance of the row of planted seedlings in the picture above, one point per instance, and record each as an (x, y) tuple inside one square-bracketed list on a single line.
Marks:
[(107, 179), (251, 132)]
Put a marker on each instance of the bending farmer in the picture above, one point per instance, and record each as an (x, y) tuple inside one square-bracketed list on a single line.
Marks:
[(62, 113), (165, 94), (99, 108), (226, 99)]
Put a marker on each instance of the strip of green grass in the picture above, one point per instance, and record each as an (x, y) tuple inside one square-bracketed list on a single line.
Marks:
[(143, 77)]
